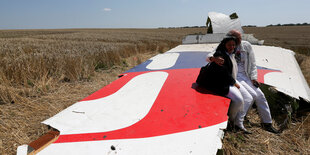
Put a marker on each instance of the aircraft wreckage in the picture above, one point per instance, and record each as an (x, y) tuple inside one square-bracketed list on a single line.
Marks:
[(154, 108)]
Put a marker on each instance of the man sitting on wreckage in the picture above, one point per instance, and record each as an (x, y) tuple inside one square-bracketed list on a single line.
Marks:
[(247, 77)]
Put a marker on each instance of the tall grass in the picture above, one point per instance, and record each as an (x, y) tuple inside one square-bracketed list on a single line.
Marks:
[(32, 61)]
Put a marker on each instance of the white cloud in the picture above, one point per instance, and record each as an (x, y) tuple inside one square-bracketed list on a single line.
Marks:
[(107, 9), (185, 1)]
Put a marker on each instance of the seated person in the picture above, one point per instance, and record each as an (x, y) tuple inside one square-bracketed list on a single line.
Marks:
[(220, 79)]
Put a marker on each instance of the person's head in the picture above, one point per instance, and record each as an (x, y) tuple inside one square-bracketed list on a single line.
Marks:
[(228, 44), (236, 34)]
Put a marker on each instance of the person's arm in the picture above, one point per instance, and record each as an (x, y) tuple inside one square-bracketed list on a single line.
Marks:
[(252, 65), (255, 83), (209, 56), (228, 77), (217, 59), (252, 69), (236, 85)]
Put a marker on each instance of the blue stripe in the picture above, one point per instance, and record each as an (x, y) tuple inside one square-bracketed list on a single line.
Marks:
[(259, 67), (186, 60)]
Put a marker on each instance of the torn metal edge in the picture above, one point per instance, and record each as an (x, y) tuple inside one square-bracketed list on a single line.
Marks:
[(39, 144)]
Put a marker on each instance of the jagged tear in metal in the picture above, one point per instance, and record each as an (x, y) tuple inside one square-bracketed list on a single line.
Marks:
[(221, 23), (218, 25)]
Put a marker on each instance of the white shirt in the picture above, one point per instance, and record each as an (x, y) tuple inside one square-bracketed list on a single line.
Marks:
[(249, 60), (240, 59), (234, 65)]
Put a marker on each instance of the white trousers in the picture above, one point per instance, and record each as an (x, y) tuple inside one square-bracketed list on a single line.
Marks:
[(252, 94), (236, 104)]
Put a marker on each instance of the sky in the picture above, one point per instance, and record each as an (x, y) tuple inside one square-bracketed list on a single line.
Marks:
[(55, 14)]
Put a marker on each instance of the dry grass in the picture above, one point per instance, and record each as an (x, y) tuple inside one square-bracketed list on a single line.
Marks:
[(32, 61), (284, 36), (294, 140)]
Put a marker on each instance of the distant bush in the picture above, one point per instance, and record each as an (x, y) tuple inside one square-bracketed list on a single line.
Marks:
[(291, 24), (249, 26), (183, 27)]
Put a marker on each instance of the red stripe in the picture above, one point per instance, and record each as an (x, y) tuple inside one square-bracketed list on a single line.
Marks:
[(262, 72), (178, 108)]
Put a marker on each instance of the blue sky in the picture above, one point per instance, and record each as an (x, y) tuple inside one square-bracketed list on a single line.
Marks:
[(46, 14)]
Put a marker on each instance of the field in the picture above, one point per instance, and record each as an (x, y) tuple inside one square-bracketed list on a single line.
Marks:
[(45, 71)]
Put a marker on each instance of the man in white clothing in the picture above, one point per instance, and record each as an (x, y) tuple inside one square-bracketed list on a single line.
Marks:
[(247, 78)]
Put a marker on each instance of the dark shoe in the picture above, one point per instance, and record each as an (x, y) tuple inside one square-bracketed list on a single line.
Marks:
[(230, 126), (269, 127), (244, 130)]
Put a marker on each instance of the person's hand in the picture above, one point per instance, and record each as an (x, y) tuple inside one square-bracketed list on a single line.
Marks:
[(236, 85), (218, 60), (255, 83)]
